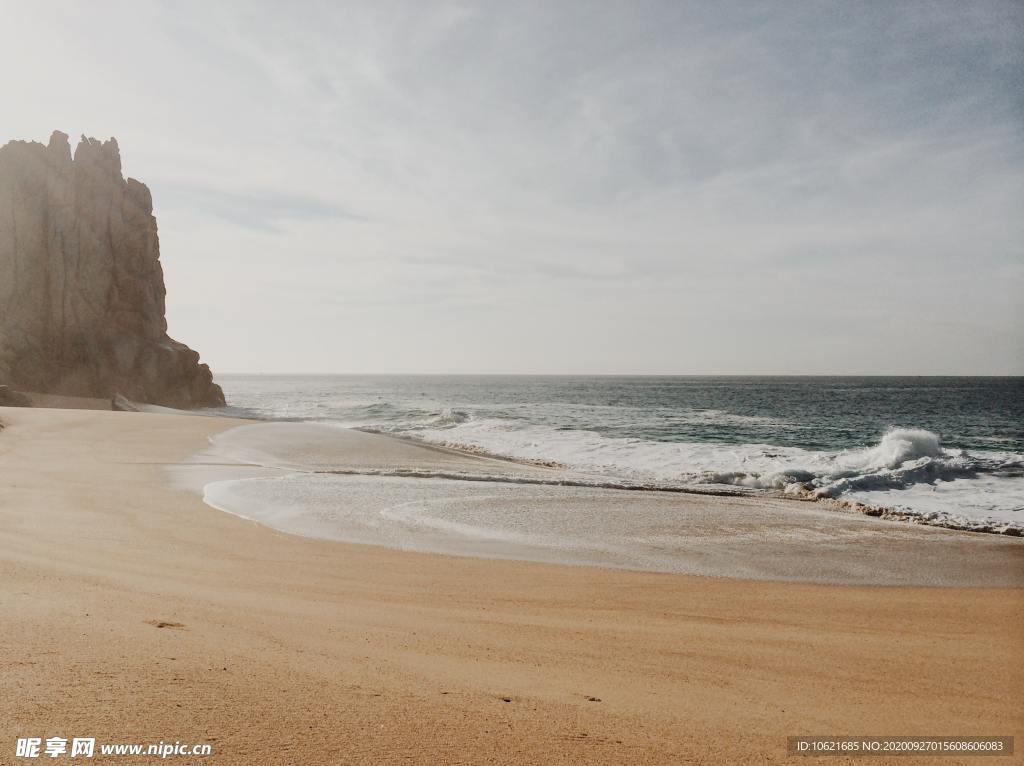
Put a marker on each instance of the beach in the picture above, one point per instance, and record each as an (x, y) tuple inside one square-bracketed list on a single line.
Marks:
[(134, 612)]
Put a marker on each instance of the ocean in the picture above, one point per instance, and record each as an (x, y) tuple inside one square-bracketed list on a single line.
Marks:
[(939, 450)]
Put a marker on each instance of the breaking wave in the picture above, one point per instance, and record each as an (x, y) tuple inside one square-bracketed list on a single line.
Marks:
[(903, 457), (828, 440), (908, 472)]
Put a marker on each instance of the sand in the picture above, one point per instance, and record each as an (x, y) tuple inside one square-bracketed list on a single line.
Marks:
[(132, 612), (60, 401)]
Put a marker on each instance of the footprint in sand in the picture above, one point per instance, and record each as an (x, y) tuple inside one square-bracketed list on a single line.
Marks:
[(165, 624)]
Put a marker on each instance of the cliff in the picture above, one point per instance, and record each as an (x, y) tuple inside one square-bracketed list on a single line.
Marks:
[(81, 286)]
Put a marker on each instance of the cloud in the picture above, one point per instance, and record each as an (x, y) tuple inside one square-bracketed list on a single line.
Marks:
[(531, 180), (264, 210)]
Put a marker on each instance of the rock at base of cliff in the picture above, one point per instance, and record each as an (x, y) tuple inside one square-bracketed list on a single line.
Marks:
[(11, 398)]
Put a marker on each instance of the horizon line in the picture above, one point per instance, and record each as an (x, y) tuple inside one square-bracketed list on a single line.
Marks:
[(626, 374)]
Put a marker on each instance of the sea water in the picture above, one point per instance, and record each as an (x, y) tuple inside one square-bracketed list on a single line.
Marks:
[(947, 451)]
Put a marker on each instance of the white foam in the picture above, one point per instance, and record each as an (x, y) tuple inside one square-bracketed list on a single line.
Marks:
[(903, 459), (907, 470)]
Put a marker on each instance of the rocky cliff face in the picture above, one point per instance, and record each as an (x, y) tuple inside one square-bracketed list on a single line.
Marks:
[(81, 287)]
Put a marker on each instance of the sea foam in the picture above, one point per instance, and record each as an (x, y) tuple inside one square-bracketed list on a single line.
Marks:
[(955, 457), (904, 459)]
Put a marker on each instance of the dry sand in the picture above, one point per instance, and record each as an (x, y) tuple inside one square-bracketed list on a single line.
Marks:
[(59, 401), (132, 612)]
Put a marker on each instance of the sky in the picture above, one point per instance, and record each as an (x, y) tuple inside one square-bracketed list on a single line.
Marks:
[(581, 186)]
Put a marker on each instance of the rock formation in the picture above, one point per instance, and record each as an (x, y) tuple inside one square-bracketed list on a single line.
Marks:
[(81, 287)]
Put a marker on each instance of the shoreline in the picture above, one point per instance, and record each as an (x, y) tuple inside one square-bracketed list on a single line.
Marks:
[(1012, 581), (837, 504), (355, 488), (280, 648)]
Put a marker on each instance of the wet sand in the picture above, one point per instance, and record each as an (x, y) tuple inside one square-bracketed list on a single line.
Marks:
[(338, 484)]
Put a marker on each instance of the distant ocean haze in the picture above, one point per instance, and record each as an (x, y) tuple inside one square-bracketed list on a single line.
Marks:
[(943, 450)]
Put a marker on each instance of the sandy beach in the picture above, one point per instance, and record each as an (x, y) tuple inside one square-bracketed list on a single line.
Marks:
[(133, 612)]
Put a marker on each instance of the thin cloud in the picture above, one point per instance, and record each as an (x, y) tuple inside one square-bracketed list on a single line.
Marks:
[(261, 210), (695, 177)]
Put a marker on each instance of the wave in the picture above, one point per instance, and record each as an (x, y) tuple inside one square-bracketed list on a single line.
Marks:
[(448, 416), (903, 457), (908, 473)]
